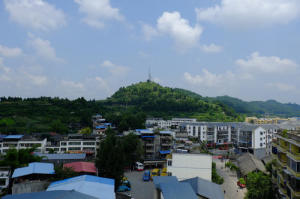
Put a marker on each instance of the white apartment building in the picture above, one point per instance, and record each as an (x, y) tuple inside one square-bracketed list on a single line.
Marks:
[(75, 143), (22, 142), (167, 124)]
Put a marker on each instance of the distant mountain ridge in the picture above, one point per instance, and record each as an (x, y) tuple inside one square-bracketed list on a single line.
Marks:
[(269, 107)]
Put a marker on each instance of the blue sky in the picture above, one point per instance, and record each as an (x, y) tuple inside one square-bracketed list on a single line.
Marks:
[(247, 49)]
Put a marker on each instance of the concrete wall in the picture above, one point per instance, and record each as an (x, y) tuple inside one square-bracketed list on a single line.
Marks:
[(28, 187), (186, 166)]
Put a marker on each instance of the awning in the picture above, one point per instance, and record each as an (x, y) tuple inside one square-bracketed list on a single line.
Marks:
[(148, 136), (165, 152)]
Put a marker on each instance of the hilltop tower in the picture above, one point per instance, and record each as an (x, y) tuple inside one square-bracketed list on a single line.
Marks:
[(149, 75)]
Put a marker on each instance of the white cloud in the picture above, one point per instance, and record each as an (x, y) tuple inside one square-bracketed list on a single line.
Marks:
[(282, 86), (10, 52), (262, 64), (43, 48), (115, 70), (72, 84), (36, 14), (172, 24), (2, 67), (212, 48), (149, 32), (250, 13), (208, 79), (97, 12), (38, 80)]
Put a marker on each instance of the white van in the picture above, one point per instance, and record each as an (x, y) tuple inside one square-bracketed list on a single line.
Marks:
[(139, 166)]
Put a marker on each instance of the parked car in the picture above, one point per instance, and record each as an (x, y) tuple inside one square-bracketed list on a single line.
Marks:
[(123, 188), (164, 172), (146, 176), (139, 166)]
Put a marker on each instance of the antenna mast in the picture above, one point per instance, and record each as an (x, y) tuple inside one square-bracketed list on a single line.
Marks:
[(149, 75)]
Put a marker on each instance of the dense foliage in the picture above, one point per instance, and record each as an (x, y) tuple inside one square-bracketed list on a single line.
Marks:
[(19, 158), (215, 177), (258, 108), (157, 101), (259, 186), (115, 153)]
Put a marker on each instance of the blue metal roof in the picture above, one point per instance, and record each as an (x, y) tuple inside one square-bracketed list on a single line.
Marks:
[(148, 136), (14, 136), (62, 156), (91, 185), (177, 190), (206, 188), (34, 168), (61, 194), (165, 152), (101, 127), (164, 179)]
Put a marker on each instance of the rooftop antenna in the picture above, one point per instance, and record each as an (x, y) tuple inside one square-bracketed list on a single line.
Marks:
[(149, 75)]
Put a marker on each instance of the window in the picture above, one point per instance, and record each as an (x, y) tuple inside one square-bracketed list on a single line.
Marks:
[(63, 144), (260, 139), (169, 162), (261, 144), (74, 143), (2, 181)]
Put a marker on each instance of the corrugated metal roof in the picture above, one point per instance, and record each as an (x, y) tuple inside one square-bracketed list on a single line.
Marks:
[(165, 152), (87, 167), (205, 188), (91, 185), (166, 132), (61, 194), (177, 191), (34, 168), (143, 131), (14, 136), (172, 189), (62, 156)]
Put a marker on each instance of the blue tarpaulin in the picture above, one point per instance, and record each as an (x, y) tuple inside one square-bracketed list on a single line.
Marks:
[(165, 152)]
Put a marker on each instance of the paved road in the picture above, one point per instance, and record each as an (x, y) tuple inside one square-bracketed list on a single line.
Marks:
[(139, 188), (230, 180)]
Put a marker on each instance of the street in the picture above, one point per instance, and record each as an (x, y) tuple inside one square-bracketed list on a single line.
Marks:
[(232, 191), (139, 188)]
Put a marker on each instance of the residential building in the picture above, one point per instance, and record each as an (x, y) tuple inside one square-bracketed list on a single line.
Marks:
[(156, 145), (22, 142), (249, 163), (286, 171), (100, 125), (97, 187), (174, 123), (4, 177), (187, 165)]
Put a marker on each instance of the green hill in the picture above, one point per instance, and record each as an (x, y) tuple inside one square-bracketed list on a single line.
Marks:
[(158, 101), (269, 107)]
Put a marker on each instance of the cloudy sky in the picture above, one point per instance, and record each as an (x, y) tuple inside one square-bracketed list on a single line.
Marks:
[(243, 48)]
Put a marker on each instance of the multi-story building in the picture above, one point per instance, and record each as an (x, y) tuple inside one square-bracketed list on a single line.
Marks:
[(100, 125), (286, 171), (156, 145), (22, 142), (168, 124), (75, 143), (4, 177)]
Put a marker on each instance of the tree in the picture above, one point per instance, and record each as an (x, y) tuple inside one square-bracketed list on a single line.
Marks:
[(86, 130), (132, 148), (19, 158), (110, 159), (63, 173), (215, 176), (259, 186), (58, 127)]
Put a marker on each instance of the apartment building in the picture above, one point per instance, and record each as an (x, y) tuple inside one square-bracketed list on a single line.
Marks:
[(156, 145), (22, 142), (4, 177), (168, 124), (100, 125), (75, 143), (286, 171)]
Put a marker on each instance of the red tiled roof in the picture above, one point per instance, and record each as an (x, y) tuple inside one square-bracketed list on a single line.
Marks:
[(86, 167)]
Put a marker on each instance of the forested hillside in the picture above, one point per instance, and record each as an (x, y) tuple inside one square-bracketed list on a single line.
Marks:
[(270, 107)]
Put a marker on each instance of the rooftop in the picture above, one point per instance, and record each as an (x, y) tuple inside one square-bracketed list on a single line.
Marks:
[(248, 163), (62, 156), (70, 194), (85, 167), (34, 168)]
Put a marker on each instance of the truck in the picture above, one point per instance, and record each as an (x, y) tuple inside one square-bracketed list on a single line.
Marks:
[(146, 176)]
